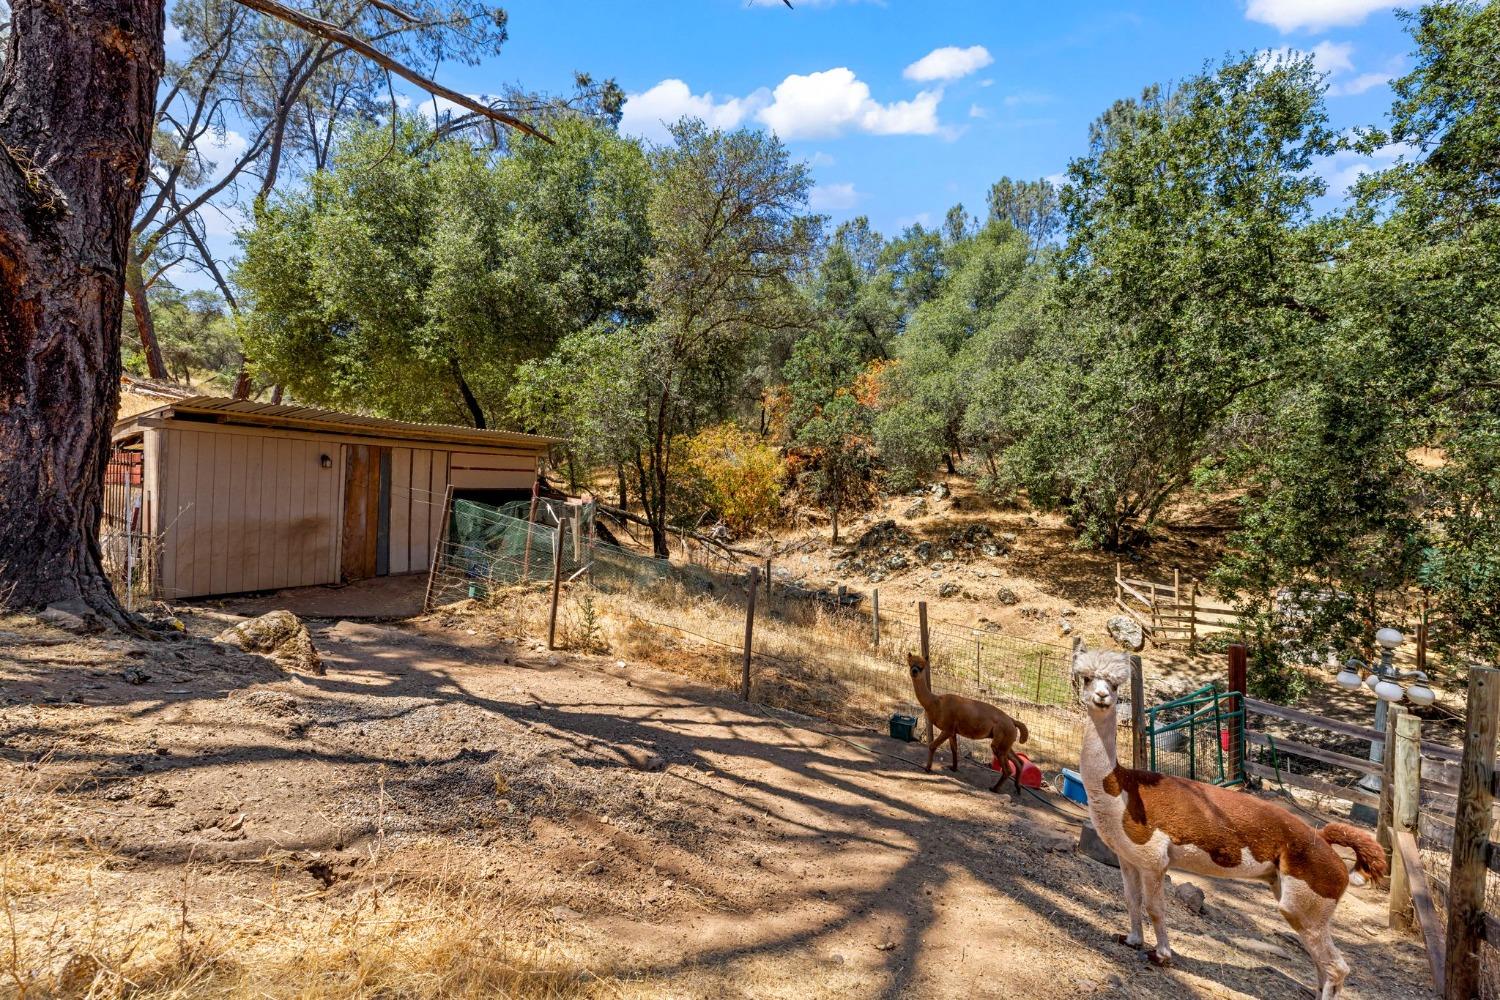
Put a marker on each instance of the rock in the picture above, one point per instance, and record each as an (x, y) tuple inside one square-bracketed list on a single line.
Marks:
[(1065, 627), (923, 552), (949, 589), (1090, 846), (990, 549), (940, 491), (918, 509), (1007, 597), (135, 675), (1190, 896), (71, 616), (1127, 632), (565, 913), (595, 867), (279, 635)]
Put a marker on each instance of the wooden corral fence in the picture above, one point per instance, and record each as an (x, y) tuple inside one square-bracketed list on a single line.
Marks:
[(1434, 802), (1166, 612)]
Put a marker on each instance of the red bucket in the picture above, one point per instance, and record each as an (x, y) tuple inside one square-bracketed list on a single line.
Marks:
[(1031, 775)]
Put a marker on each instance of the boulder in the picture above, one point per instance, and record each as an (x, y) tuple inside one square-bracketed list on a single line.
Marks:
[(279, 635), (71, 616), (940, 491), (918, 509), (1007, 597), (1127, 632), (923, 552), (1090, 846), (948, 589), (1190, 896)]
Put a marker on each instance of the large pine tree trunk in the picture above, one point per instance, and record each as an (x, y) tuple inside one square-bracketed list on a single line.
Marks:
[(77, 97)]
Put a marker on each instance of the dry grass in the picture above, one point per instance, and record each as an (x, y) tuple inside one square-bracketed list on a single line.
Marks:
[(78, 922)]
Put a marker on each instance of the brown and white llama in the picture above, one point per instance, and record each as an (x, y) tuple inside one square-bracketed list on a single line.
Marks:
[(953, 716), (1154, 822)]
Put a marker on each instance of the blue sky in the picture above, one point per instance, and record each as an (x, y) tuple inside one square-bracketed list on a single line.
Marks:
[(904, 107)]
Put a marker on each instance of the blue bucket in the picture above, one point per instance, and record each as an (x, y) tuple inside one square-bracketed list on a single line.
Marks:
[(1072, 787)]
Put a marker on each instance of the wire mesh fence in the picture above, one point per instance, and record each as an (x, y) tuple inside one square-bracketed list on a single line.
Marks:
[(808, 646)]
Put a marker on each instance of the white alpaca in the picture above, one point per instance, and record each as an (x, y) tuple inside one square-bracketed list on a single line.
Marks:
[(1154, 822)]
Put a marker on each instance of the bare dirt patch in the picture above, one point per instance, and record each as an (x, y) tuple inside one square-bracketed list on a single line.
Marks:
[(459, 814)]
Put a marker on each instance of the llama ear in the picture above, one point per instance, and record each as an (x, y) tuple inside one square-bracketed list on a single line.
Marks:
[(913, 660), (1078, 646)]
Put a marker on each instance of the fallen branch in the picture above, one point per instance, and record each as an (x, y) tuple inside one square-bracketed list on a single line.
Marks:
[(622, 515), (332, 32)]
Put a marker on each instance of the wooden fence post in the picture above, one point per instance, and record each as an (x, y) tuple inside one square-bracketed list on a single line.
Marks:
[(768, 578), (1471, 837), (875, 617), (752, 587), (556, 584), (1406, 748), (926, 654), (1383, 823), (1137, 714), (1193, 619), (1237, 683)]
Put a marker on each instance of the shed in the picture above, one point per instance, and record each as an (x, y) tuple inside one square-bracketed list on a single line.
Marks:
[(233, 496)]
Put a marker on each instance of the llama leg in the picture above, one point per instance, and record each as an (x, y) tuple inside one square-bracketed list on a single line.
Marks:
[(1131, 877), (998, 752), (1311, 915), (1015, 759), (1153, 894), (937, 741), (954, 743)]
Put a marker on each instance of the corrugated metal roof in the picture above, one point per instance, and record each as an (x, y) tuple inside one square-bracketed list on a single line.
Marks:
[(250, 413)]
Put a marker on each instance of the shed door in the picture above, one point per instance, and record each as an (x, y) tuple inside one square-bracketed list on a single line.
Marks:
[(367, 512)]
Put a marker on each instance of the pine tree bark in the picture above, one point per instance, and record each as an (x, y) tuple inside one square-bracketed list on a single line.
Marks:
[(77, 99)]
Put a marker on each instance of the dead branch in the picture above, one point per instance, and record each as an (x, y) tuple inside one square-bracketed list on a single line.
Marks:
[(333, 33), (621, 515)]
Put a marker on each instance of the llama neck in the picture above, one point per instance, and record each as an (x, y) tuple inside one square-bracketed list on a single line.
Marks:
[(1099, 755), (924, 692)]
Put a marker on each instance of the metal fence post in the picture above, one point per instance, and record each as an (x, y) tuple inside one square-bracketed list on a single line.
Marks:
[(752, 587), (875, 617), (1471, 837), (1407, 753)]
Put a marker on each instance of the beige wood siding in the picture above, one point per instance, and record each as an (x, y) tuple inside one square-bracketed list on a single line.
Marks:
[(493, 471), (240, 512), (419, 484)]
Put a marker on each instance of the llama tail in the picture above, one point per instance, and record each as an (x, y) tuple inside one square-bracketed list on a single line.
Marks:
[(1369, 859), (1024, 734)]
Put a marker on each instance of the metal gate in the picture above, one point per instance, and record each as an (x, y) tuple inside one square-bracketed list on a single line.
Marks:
[(1199, 736)]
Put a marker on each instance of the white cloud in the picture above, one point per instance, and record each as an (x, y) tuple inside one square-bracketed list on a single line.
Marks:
[(648, 114), (949, 63), (821, 159), (1336, 61), (1360, 84), (833, 197), (175, 44), (975, 111), (1057, 180), (833, 101), (1314, 15), (1344, 169), (222, 151)]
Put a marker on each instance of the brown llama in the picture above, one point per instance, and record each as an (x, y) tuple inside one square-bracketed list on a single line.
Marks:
[(954, 716), (1154, 822)]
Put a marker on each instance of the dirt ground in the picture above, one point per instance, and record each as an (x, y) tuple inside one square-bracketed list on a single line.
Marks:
[(673, 840)]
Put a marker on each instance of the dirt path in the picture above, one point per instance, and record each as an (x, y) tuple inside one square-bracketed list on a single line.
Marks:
[(688, 846)]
